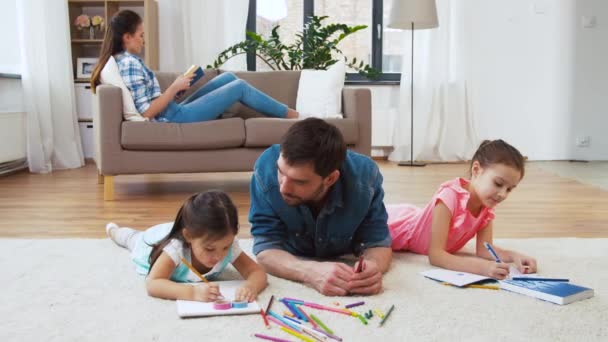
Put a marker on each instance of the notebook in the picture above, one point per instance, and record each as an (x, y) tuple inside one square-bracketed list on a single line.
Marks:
[(461, 279), (552, 291), (187, 308), (455, 278), (198, 73)]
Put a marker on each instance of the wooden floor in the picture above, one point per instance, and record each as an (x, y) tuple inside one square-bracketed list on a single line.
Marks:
[(70, 203)]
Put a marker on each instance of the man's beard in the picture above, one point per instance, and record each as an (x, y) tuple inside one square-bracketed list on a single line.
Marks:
[(294, 201)]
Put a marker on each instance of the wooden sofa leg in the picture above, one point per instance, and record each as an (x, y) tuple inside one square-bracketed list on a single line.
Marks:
[(99, 178), (108, 188)]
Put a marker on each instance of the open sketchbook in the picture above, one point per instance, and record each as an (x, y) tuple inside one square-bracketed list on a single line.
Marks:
[(463, 278), (187, 308)]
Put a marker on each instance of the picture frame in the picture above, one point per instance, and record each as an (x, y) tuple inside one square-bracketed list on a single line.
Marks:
[(85, 66)]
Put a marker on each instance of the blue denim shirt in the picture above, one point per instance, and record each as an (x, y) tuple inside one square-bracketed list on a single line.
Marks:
[(352, 220)]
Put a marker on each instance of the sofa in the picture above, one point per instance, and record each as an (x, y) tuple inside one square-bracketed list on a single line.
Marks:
[(231, 143)]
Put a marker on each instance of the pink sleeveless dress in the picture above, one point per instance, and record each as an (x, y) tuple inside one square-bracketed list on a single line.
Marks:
[(410, 226)]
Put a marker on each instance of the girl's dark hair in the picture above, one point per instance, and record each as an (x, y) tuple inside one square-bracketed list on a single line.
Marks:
[(499, 152), (211, 214), (125, 21)]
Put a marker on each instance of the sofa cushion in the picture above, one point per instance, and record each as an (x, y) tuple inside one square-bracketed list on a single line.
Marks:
[(157, 136), (263, 132), (280, 85)]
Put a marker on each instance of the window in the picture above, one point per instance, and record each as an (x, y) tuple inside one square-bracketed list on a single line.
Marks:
[(377, 45), (288, 14), (10, 59)]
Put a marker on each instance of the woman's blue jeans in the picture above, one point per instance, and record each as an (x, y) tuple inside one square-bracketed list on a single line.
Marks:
[(217, 95)]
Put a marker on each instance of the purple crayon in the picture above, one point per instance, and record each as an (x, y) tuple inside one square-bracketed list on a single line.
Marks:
[(353, 305)]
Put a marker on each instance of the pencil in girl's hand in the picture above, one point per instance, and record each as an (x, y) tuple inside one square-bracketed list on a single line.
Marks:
[(194, 270)]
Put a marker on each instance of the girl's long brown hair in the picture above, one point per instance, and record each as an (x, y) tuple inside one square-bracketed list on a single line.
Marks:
[(211, 214), (125, 21)]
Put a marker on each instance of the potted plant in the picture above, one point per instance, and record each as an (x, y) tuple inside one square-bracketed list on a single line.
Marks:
[(316, 47)]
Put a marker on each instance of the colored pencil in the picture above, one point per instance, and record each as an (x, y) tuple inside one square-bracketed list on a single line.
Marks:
[(310, 331), (265, 319), (313, 323), (541, 279), (379, 313), (270, 338), (322, 307), (277, 322), (287, 323), (387, 314), (337, 338), (293, 300), (290, 307), (362, 319), (194, 270), (360, 264), (321, 324), (487, 287), (269, 303), (353, 305), (296, 334)]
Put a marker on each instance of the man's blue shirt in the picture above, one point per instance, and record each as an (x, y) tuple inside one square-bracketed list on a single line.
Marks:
[(352, 219)]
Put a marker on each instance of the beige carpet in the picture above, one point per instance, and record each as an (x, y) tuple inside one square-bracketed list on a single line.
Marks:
[(86, 290)]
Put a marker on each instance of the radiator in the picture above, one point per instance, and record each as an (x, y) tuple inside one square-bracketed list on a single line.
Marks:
[(12, 142)]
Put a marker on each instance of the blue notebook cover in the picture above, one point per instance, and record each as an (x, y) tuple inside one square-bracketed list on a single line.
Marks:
[(556, 292)]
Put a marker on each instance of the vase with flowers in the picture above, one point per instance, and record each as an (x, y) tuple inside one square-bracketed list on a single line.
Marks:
[(85, 23), (97, 23)]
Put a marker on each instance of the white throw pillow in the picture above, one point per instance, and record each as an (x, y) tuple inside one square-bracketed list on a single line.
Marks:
[(320, 92), (111, 75)]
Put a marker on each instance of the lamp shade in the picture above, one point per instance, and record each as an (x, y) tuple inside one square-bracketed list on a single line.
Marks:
[(423, 13)]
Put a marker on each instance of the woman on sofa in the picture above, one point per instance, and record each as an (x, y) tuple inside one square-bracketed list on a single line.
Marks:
[(124, 41)]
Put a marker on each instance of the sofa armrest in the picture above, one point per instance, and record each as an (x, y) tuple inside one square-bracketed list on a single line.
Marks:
[(357, 104), (108, 122)]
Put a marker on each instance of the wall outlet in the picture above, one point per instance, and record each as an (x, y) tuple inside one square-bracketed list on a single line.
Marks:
[(584, 141)]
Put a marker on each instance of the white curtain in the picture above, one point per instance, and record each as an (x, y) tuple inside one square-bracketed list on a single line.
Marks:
[(444, 127), (53, 138), (196, 31)]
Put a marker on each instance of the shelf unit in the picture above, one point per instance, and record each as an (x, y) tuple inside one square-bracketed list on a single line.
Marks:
[(83, 46)]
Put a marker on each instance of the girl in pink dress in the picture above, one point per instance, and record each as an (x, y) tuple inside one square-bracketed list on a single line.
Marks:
[(462, 209)]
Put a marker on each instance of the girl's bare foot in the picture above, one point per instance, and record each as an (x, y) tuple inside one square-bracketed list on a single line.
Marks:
[(292, 114)]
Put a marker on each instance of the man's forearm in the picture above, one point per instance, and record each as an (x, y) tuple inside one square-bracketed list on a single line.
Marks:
[(284, 265), (381, 255)]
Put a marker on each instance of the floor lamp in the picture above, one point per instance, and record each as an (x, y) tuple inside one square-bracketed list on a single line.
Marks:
[(413, 15)]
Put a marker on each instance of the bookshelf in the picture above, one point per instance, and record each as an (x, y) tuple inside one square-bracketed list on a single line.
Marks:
[(85, 46)]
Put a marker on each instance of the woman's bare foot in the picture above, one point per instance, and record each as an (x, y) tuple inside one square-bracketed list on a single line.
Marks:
[(292, 114)]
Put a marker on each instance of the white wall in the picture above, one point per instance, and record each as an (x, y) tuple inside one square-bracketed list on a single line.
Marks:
[(589, 107), (539, 78)]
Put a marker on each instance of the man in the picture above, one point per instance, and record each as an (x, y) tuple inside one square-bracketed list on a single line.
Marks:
[(312, 198)]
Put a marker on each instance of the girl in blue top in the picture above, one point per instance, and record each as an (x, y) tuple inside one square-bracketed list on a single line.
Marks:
[(124, 40), (203, 234)]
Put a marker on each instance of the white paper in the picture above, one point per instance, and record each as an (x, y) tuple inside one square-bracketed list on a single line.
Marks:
[(453, 277), (187, 308)]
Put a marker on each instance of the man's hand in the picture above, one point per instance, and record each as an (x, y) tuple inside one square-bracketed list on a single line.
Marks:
[(331, 278), (368, 281)]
